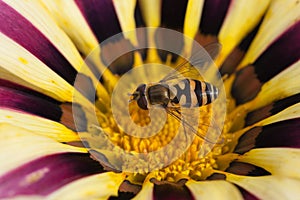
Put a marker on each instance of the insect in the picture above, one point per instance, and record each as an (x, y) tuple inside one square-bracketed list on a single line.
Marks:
[(176, 91)]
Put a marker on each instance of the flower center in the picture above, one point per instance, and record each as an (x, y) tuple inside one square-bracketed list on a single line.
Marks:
[(196, 161)]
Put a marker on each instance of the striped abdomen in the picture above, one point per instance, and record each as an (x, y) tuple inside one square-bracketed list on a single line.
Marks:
[(193, 93)]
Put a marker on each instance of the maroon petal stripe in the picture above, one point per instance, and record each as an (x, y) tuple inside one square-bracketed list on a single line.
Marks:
[(213, 15), (138, 16), (19, 29), (141, 34), (172, 17), (280, 134), (216, 176), (271, 109), (51, 173), (22, 99), (238, 53), (17, 100), (281, 54), (173, 13), (101, 16), (85, 86), (15, 86), (169, 191), (247, 195), (103, 20), (246, 169)]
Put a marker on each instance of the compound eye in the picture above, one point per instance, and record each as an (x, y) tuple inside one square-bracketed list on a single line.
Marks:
[(142, 102)]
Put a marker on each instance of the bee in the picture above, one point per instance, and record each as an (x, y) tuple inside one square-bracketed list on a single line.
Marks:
[(176, 91)]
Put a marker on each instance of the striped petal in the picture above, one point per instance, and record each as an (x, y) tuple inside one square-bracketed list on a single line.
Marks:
[(37, 104), (44, 175), (246, 169), (238, 53), (282, 118), (21, 146), (280, 134), (286, 85), (218, 189), (99, 186), (234, 29), (213, 16), (146, 192), (282, 86), (38, 125), (280, 16), (267, 187), (43, 54), (39, 19), (171, 19), (33, 38), (21, 62), (278, 161), (84, 38), (283, 53), (271, 109), (17, 100), (101, 17)]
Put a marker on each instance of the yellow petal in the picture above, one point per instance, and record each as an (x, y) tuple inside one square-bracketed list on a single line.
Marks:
[(213, 190), (283, 85), (147, 191), (64, 13), (268, 187), (151, 11), (6, 75), (125, 11), (191, 22), (99, 186), (24, 65), (278, 161), (39, 17), (280, 16), (288, 113), (192, 17), (241, 18), (19, 146), (38, 125)]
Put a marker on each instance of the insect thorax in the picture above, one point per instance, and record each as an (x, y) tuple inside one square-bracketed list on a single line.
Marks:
[(159, 94)]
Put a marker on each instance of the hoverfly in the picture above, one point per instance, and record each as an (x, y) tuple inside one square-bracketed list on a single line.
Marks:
[(176, 91)]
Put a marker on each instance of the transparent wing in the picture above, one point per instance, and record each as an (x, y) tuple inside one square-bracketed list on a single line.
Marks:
[(199, 58), (183, 70), (175, 112)]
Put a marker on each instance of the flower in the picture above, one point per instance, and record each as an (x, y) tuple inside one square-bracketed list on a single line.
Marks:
[(43, 46)]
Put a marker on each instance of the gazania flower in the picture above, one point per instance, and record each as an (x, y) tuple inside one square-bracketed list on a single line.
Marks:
[(53, 52)]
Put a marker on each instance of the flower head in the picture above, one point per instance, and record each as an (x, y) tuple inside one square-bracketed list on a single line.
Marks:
[(70, 130)]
